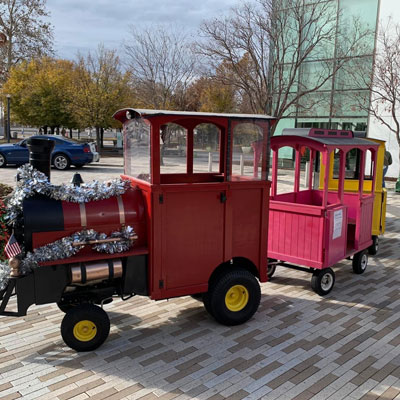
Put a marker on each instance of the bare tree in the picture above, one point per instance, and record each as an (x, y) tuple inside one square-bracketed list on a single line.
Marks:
[(385, 83), (162, 65), (99, 89), (28, 34), (265, 46)]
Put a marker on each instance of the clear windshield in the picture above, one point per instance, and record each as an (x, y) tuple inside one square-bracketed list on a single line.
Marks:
[(137, 149)]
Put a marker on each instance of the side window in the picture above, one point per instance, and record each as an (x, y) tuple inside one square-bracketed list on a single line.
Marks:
[(369, 166), (173, 149), (247, 152), (137, 158), (352, 166), (206, 148)]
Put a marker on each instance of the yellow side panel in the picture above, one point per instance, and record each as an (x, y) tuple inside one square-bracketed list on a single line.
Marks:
[(383, 214)]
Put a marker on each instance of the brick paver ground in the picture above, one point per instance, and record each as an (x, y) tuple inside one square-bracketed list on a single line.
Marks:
[(297, 346)]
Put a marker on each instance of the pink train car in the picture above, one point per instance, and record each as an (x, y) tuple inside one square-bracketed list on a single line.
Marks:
[(312, 229)]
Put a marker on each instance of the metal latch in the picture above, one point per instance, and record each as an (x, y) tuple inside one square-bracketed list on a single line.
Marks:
[(222, 197)]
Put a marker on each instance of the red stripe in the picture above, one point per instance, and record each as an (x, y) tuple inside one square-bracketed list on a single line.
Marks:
[(12, 250)]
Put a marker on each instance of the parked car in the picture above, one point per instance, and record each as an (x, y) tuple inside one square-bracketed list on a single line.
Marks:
[(66, 152)]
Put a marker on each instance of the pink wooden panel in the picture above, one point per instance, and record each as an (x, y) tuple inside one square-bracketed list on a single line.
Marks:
[(295, 237), (336, 244)]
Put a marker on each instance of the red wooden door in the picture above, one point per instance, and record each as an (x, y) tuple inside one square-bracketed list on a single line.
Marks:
[(192, 235)]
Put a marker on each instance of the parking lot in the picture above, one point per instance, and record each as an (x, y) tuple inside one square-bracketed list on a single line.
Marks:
[(107, 168), (297, 346)]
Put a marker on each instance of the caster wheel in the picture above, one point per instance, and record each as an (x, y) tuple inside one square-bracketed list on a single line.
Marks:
[(322, 281), (374, 248), (271, 268), (85, 327), (360, 262)]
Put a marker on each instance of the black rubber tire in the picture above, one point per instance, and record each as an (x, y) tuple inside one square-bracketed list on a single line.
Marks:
[(207, 302), (360, 262), (219, 290), (65, 307), (61, 162), (374, 248), (322, 281), (3, 160), (85, 312), (271, 268)]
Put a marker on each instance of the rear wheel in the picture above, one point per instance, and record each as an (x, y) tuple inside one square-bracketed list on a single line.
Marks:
[(322, 281), (3, 161), (374, 248), (234, 297), (360, 262), (61, 162), (85, 327)]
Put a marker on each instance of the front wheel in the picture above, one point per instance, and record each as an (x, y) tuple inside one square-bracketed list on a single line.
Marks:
[(360, 262), (322, 281), (234, 297), (85, 327), (374, 248), (61, 162), (3, 161)]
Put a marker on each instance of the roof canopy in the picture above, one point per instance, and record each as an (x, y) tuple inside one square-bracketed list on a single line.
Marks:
[(128, 113), (321, 140)]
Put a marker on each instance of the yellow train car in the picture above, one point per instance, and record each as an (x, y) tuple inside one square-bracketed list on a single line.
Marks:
[(351, 185)]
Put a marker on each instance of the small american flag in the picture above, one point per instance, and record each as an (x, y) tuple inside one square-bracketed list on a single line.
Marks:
[(12, 248)]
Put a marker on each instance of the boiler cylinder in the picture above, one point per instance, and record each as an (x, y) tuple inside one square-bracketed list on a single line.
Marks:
[(95, 271)]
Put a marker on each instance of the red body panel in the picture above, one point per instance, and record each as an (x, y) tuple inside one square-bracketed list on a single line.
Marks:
[(102, 216)]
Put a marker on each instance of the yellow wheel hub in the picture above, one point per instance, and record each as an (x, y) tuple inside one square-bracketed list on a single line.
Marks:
[(85, 330), (236, 298)]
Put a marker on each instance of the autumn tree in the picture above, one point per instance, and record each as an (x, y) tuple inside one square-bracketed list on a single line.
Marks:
[(264, 46), (39, 90), (28, 34), (99, 89)]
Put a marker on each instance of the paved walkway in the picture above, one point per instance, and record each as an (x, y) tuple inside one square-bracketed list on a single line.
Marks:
[(297, 346)]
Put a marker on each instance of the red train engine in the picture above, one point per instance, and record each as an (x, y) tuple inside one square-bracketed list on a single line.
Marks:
[(197, 210)]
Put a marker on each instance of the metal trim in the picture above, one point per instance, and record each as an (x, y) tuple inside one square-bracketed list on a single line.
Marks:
[(82, 210), (121, 210)]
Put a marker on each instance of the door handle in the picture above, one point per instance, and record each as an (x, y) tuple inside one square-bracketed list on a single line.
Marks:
[(222, 197)]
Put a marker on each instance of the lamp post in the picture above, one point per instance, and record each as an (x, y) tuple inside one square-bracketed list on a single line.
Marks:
[(8, 118)]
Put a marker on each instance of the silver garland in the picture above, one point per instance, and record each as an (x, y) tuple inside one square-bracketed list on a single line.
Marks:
[(67, 247), (4, 275), (32, 181)]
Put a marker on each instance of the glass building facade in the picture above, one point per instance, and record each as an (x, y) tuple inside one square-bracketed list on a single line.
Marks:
[(333, 105)]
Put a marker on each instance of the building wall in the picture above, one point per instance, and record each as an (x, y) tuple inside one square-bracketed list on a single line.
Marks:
[(336, 107)]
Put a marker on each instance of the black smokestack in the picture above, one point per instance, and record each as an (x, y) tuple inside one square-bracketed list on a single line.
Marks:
[(40, 154)]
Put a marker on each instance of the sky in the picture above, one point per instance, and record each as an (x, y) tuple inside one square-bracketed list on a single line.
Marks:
[(80, 25)]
